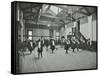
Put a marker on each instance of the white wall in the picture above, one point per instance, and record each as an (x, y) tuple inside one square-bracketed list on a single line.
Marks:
[(94, 29), (62, 32), (54, 34), (84, 29), (67, 30)]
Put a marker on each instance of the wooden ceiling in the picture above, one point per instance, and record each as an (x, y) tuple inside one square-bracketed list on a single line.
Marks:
[(34, 13)]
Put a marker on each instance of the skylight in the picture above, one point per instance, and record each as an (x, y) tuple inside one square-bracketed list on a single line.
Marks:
[(55, 9)]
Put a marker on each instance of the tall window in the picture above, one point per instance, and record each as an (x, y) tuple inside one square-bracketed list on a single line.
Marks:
[(30, 35), (57, 35)]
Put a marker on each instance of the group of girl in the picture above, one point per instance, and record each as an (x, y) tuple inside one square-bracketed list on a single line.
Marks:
[(66, 43)]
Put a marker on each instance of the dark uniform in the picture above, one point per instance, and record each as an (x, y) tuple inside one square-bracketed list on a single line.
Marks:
[(29, 46), (34, 45), (47, 44), (73, 45), (52, 45), (77, 45), (66, 46), (40, 48)]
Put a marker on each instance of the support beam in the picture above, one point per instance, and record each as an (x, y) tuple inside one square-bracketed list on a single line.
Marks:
[(48, 8), (26, 15), (37, 16), (69, 15), (64, 8), (22, 27), (41, 26), (31, 6), (90, 28), (88, 12)]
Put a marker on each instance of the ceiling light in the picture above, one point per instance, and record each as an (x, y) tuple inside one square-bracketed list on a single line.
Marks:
[(48, 25)]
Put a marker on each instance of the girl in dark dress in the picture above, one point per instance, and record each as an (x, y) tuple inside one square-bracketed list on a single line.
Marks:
[(77, 44), (29, 47), (40, 48), (47, 44), (52, 45), (34, 45), (73, 44), (67, 45)]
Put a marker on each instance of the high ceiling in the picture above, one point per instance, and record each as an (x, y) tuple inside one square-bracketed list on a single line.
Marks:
[(54, 15)]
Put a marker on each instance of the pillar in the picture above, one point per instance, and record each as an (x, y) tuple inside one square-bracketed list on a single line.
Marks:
[(62, 32), (22, 27), (74, 27), (54, 34), (90, 27)]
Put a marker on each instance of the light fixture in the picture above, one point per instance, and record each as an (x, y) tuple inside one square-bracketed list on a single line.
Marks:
[(48, 25)]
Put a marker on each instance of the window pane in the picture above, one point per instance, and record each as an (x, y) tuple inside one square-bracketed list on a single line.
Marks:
[(30, 38), (29, 32)]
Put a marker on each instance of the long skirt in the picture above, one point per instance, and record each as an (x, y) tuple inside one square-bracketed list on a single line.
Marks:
[(52, 47)]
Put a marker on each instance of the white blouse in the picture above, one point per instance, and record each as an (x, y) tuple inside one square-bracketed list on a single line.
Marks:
[(39, 45)]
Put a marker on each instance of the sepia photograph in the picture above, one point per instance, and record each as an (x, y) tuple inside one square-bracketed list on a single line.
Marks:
[(51, 37)]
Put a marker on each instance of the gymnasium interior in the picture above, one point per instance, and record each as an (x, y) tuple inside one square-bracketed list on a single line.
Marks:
[(58, 22)]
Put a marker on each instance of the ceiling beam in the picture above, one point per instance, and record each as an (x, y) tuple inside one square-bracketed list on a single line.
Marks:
[(38, 15), (48, 8), (88, 12), (79, 11), (40, 26), (64, 8), (43, 22), (28, 14), (68, 19), (26, 17), (71, 17), (31, 6), (53, 13), (77, 19), (83, 13)]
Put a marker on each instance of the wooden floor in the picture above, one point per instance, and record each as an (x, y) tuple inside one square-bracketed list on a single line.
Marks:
[(58, 61)]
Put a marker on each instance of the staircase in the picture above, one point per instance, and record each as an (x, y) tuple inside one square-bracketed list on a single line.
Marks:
[(83, 45), (82, 40)]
